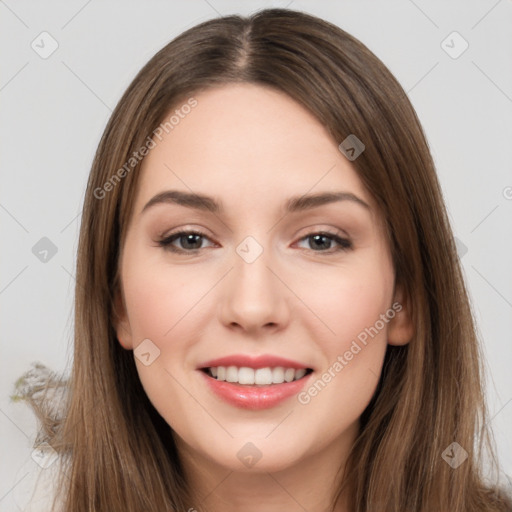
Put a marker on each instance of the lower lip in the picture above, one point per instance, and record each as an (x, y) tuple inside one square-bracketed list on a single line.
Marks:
[(254, 397)]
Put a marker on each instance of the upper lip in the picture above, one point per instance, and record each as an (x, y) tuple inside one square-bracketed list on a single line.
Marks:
[(261, 361)]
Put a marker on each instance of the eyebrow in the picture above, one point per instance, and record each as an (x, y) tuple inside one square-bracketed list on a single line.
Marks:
[(294, 204)]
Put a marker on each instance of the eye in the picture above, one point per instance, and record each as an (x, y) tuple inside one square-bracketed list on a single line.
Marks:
[(322, 242), (190, 241)]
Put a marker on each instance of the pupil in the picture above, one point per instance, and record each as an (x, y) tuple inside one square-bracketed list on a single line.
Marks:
[(326, 243), (190, 238)]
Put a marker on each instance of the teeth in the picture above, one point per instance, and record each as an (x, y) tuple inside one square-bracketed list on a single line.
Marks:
[(261, 376), (231, 374), (289, 373)]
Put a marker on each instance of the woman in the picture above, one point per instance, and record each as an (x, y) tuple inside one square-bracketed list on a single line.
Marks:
[(313, 348)]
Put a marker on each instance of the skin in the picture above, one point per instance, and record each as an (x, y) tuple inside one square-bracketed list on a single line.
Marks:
[(299, 299)]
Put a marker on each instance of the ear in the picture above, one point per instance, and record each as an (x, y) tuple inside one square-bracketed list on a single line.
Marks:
[(120, 321), (400, 327)]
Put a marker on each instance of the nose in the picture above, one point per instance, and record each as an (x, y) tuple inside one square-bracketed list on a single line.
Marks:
[(253, 298)]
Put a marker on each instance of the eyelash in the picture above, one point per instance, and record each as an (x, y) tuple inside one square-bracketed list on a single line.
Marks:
[(343, 243)]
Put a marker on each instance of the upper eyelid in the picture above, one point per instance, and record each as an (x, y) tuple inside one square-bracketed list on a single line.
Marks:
[(181, 231), (187, 228)]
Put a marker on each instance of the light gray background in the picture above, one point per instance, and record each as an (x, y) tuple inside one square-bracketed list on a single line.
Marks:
[(55, 109)]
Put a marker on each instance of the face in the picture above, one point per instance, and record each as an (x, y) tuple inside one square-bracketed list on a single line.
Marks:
[(256, 271)]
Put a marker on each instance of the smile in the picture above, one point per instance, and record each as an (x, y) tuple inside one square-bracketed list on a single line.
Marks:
[(260, 377), (254, 381)]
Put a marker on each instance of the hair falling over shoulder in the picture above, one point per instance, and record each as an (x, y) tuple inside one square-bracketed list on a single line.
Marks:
[(117, 452)]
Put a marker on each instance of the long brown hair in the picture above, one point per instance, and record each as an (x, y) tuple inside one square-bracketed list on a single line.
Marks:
[(118, 452)]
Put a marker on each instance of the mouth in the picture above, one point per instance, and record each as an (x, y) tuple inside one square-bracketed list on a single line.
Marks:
[(256, 377), (256, 382)]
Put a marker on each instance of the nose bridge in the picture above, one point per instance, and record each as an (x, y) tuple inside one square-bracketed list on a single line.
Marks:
[(253, 296), (251, 275)]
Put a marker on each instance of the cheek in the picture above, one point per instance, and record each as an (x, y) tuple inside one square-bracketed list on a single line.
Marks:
[(164, 306), (350, 300), (351, 306), (354, 354), (157, 300)]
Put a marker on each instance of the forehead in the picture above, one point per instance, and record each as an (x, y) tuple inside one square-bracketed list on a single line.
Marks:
[(246, 142)]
